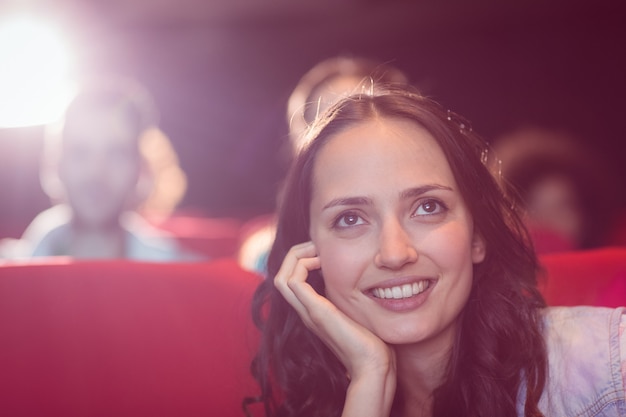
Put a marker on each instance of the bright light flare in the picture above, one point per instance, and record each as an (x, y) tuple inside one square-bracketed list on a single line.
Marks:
[(35, 64)]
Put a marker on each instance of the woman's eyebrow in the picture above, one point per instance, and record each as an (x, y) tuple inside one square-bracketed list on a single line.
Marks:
[(363, 201), (348, 201), (417, 191)]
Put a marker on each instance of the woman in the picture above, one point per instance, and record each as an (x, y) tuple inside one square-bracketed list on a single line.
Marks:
[(405, 285)]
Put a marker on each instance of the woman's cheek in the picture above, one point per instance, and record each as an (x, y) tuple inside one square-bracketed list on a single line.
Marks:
[(341, 264), (328, 260)]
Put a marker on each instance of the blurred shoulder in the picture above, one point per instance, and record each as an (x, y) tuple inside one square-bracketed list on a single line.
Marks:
[(47, 220), (145, 242)]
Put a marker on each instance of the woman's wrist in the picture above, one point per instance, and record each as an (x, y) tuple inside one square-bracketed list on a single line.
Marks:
[(371, 393)]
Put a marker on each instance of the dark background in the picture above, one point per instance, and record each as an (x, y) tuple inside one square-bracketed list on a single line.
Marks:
[(221, 72)]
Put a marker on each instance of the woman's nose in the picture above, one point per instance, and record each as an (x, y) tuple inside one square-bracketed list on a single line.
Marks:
[(395, 247)]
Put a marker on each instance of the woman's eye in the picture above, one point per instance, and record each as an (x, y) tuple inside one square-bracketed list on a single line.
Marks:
[(429, 207), (347, 220)]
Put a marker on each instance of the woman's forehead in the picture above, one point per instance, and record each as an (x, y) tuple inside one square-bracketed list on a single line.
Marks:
[(367, 139), (381, 151)]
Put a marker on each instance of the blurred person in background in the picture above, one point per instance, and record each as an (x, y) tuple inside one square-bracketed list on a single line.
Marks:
[(328, 82), (567, 193), (324, 84), (94, 167)]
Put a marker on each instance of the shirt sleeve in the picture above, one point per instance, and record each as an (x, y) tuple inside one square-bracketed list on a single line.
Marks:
[(622, 349)]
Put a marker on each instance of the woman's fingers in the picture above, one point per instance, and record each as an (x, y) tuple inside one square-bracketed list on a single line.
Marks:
[(346, 338), (299, 261), (297, 252), (291, 281)]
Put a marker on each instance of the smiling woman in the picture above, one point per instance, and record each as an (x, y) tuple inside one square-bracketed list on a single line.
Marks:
[(404, 282), (408, 202), (32, 96)]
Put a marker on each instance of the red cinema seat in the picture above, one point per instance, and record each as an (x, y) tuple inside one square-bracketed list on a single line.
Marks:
[(591, 277), (211, 237), (121, 338)]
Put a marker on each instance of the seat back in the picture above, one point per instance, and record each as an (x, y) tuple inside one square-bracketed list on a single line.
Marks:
[(120, 338), (592, 277), (211, 237)]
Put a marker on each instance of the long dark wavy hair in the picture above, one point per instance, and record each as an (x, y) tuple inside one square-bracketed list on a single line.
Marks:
[(499, 353)]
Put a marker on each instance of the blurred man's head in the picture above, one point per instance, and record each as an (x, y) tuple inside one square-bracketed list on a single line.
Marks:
[(331, 80)]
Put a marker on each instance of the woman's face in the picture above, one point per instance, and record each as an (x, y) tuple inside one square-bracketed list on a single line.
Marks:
[(395, 238)]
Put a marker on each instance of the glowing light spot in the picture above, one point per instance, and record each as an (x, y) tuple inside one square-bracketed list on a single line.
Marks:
[(34, 72)]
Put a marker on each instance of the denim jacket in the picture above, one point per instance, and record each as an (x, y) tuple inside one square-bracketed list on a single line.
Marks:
[(586, 354)]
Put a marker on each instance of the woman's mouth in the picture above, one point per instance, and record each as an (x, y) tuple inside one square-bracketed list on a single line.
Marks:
[(401, 291)]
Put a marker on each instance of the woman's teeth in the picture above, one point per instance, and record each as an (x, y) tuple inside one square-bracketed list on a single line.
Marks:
[(401, 291)]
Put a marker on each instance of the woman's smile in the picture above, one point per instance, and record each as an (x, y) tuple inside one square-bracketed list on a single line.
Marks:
[(403, 291), (402, 297)]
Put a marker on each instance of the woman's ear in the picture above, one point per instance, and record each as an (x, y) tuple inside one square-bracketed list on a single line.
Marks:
[(479, 249)]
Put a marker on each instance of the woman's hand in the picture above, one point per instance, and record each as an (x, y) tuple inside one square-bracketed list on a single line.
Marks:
[(370, 362)]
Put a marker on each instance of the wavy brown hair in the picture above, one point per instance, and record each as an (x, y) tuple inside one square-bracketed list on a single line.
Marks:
[(499, 353)]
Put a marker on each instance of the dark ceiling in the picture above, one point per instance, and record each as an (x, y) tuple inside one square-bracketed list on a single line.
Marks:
[(221, 71)]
